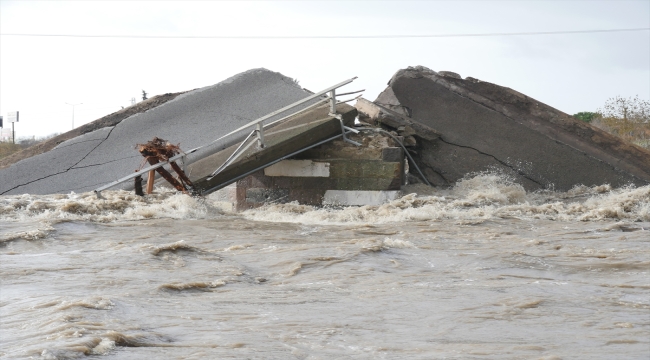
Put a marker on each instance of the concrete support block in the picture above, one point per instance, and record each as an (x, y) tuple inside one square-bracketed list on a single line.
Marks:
[(358, 198), (299, 168)]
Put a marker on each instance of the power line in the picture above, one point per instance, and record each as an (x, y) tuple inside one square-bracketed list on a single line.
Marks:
[(279, 37)]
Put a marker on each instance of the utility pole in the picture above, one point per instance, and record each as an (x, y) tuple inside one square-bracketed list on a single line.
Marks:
[(13, 118), (73, 105)]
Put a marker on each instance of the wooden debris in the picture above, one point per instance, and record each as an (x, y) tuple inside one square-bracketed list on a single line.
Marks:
[(158, 150)]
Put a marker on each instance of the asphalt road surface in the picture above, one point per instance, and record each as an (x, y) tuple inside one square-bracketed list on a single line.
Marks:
[(193, 119)]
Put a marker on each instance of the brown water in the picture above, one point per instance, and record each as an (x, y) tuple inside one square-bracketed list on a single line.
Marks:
[(484, 270)]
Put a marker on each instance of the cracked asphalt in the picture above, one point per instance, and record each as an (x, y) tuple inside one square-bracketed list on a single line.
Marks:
[(192, 119)]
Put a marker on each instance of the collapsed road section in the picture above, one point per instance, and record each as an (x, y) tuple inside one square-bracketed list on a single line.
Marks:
[(462, 126), (307, 156), (191, 119)]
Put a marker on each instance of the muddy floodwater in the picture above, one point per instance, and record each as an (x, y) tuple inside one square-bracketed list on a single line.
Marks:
[(481, 271)]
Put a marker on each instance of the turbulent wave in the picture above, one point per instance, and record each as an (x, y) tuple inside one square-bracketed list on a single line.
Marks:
[(32, 234), (472, 200), (196, 285), (174, 247), (479, 198), (116, 205)]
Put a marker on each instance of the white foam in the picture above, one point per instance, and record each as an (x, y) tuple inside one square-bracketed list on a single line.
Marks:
[(104, 347), (116, 205), (472, 200), (475, 199)]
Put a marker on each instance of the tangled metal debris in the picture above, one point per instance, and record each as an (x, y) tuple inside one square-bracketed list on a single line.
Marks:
[(158, 150)]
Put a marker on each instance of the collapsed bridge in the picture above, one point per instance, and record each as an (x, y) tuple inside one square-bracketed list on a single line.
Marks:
[(258, 137)]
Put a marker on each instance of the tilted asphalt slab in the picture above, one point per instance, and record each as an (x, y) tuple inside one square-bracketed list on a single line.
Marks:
[(193, 119), (486, 127)]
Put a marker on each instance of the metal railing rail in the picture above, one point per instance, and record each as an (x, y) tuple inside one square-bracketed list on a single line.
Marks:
[(258, 130), (289, 107), (260, 127)]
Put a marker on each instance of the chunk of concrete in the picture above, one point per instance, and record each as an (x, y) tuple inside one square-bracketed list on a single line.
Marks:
[(486, 127)]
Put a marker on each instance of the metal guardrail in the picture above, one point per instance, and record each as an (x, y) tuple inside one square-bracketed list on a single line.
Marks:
[(332, 99), (230, 181), (258, 131), (259, 127)]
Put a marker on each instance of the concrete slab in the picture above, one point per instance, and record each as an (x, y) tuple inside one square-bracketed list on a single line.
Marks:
[(466, 126), (192, 119), (299, 168)]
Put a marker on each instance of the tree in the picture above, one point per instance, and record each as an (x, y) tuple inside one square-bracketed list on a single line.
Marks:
[(585, 116), (628, 118), (630, 109), (144, 95)]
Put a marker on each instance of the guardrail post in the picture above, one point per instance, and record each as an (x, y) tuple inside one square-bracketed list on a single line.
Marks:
[(260, 135), (333, 101)]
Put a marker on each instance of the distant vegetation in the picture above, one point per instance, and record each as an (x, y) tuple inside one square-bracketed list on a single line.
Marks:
[(8, 147), (628, 118), (585, 116)]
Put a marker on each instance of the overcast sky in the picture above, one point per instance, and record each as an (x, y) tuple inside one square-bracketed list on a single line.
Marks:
[(571, 72)]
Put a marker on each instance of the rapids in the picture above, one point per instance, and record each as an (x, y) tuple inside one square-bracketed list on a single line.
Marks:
[(482, 270)]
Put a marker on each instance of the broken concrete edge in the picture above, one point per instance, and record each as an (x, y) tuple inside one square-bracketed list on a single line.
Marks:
[(103, 122), (540, 117), (381, 115), (409, 131)]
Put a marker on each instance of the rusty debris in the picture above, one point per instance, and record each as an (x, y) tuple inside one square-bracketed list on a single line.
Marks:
[(158, 150)]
